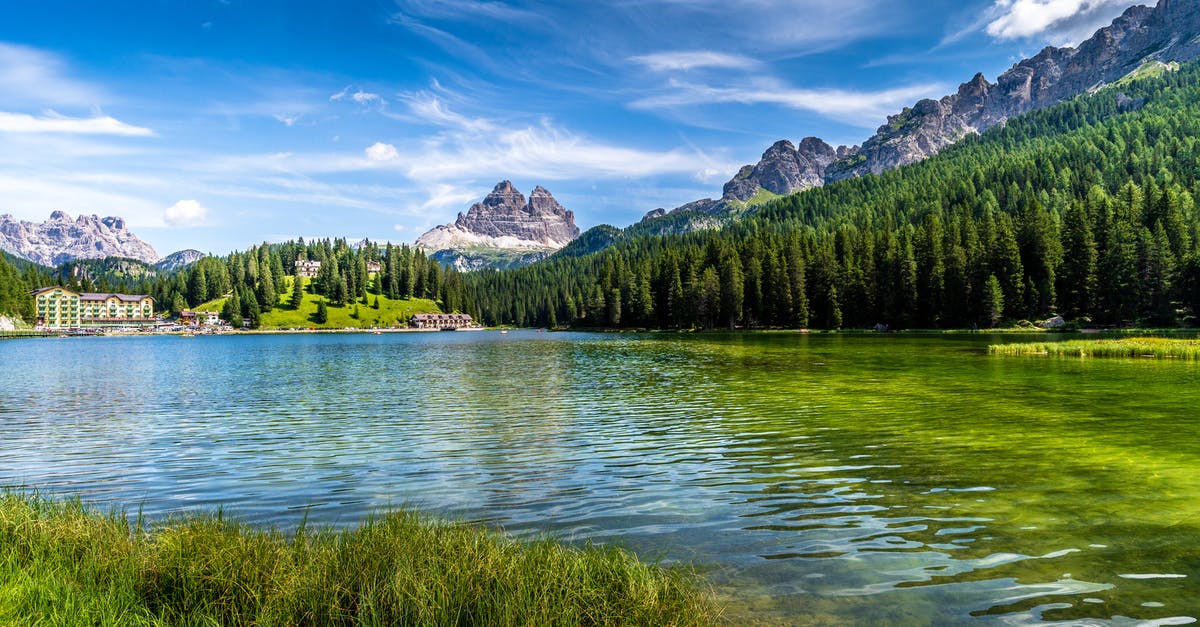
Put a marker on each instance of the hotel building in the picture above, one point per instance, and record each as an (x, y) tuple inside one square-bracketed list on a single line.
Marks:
[(59, 308)]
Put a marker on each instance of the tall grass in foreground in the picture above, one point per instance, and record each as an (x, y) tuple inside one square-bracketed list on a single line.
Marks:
[(61, 564), (1161, 348)]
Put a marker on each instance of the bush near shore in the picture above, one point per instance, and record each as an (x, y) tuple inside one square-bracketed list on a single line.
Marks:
[(62, 564), (1161, 348)]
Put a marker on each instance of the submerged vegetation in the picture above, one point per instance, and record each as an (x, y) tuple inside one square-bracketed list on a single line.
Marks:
[(65, 565), (1160, 348)]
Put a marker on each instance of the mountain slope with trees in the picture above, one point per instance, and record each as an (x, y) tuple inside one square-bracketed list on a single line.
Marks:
[(1084, 209)]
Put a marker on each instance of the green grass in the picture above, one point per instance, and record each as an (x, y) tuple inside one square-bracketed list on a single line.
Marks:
[(1160, 348), (1146, 70), (61, 564), (391, 313)]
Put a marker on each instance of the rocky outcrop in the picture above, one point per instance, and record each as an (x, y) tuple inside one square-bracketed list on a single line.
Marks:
[(783, 169), (61, 239), (504, 226), (179, 260), (1169, 32)]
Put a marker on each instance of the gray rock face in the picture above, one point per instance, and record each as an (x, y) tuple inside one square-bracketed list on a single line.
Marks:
[(61, 239), (505, 221), (1168, 32), (783, 169), (505, 213)]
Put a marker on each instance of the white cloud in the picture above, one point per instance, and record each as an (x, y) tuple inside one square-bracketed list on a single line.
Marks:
[(186, 213), (51, 122), (380, 151), (693, 59), (1057, 21), (287, 120), (864, 108)]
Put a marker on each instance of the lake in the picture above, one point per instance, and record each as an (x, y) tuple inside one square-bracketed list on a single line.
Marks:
[(823, 479)]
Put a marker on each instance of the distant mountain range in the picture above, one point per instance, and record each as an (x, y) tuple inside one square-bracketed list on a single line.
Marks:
[(62, 240), (506, 230), (1143, 40)]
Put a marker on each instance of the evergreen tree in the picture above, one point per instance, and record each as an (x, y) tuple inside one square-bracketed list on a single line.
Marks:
[(267, 297), (231, 311), (1078, 280), (322, 315), (297, 291), (993, 300)]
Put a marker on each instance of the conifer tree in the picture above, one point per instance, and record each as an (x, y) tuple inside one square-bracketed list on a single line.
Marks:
[(297, 291)]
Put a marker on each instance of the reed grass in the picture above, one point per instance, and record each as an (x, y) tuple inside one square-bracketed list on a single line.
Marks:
[(62, 564), (1159, 348)]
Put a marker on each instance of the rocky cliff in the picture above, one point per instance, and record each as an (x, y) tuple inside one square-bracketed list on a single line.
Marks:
[(61, 239), (502, 230), (1140, 38), (1169, 32)]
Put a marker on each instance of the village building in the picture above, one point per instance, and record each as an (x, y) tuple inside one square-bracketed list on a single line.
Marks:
[(374, 267), (307, 268), (199, 318), (60, 308), (441, 321)]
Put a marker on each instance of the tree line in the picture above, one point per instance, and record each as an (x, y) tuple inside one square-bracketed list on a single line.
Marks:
[(1085, 209), (255, 281)]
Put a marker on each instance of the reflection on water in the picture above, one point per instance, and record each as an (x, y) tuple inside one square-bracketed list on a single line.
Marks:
[(817, 480)]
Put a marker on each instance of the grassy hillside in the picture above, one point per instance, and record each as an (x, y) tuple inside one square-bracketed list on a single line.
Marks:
[(391, 313)]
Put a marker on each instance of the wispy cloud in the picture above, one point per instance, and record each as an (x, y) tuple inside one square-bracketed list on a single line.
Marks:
[(863, 108), (288, 120), (359, 97), (693, 59), (430, 108), (51, 122), (32, 76)]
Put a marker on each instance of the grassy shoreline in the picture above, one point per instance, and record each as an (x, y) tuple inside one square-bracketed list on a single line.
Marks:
[(63, 564), (1142, 347)]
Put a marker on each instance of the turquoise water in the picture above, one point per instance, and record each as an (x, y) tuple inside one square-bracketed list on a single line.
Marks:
[(814, 479)]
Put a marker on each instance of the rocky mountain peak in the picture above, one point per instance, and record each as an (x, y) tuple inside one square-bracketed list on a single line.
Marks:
[(1168, 32), (61, 239), (783, 169), (504, 221)]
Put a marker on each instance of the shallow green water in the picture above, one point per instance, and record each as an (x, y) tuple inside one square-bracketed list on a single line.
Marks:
[(816, 479)]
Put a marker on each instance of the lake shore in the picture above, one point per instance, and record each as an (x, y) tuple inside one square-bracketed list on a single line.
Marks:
[(63, 563)]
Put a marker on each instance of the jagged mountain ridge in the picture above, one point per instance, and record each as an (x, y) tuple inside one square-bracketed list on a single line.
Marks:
[(61, 239), (1169, 32), (502, 230)]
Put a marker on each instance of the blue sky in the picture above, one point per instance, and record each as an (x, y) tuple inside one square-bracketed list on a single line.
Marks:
[(218, 124)]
